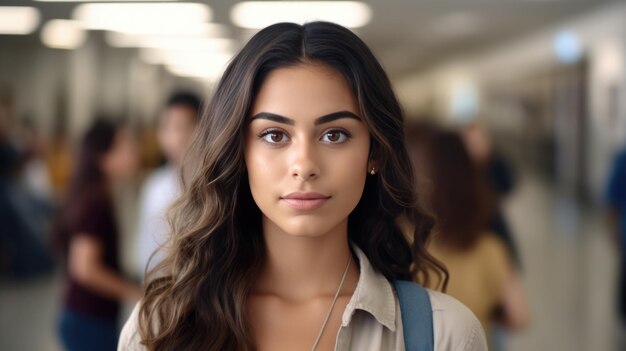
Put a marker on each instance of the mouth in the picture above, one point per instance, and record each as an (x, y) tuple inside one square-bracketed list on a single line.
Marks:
[(305, 201)]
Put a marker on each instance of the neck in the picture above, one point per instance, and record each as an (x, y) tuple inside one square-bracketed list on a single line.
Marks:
[(301, 268)]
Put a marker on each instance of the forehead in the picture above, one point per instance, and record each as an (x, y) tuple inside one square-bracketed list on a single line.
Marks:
[(303, 91)]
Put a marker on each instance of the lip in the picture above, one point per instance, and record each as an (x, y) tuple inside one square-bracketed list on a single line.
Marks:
[(305, 200)]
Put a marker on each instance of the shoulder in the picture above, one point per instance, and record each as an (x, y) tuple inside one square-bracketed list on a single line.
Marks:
[(490, 249), (130, 339), (492, 243), (497, 260), (163, 174), (91, 214), (454, 325), (161, 182)]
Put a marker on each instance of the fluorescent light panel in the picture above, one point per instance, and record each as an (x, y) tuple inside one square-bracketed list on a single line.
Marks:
[(193, 71), (191, 29), (214, 62), (193, 63), (18, 19), (62, 34), (260, 14), (186, 43), (116, 39), (142, 18)]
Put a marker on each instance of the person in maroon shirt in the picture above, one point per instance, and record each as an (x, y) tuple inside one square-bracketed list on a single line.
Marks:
[(87, 235)]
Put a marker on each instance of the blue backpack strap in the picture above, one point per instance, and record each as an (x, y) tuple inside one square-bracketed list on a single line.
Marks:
[(417, 316)]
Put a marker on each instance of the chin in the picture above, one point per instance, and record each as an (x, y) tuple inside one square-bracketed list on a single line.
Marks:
[(311, 225), (310, 231)]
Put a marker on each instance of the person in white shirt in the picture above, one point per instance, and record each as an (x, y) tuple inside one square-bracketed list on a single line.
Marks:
[(176, 127)]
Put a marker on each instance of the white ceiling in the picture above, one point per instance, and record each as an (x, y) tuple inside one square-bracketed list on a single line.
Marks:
[(407, 35)]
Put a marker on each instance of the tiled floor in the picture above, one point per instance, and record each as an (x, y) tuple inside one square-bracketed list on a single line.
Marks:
[(569, 273)]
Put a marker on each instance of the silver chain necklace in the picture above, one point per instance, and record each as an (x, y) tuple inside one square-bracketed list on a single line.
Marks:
[(343, 278)]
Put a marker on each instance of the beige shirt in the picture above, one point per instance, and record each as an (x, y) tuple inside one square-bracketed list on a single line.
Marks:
[(372, 321)]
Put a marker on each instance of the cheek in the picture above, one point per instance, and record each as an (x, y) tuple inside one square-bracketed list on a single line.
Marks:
[(127, 161), (176, 137), (263, 171), (349, 174), (172, 138)]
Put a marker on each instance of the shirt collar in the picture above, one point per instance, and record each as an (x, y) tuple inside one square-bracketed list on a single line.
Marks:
[(373, 294)]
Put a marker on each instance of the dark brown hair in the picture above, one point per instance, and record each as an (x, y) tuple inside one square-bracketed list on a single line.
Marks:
[(197, 298), (88, 183), (185, 99), (454, 187)]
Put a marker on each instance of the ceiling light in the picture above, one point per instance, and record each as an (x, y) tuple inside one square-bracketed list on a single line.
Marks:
[(464, 101), (62, 34), (142, 18), (18, 19), (194, 71), (260, 14), (212, 60), (116, 39), (179, 29), (186, 43), (567, 47), (188, 63)]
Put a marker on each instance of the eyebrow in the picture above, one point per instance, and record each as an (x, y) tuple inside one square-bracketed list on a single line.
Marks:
[(320, 120)]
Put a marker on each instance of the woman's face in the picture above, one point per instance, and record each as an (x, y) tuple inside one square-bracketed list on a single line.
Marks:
[(122, 160), (306, 150), (176, 129)]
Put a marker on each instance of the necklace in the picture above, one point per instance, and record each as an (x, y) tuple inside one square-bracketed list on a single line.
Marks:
[(343, 278)]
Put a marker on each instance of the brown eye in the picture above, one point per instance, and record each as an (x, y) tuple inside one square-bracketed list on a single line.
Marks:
[(274, 137), (335, 137)]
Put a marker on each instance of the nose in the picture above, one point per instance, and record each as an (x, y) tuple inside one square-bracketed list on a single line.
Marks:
[(304, 165)]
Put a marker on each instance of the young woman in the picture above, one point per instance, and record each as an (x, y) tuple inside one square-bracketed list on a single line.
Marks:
[(287, 235), (86, 232)]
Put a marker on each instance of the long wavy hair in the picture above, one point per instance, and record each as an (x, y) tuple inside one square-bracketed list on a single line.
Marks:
[(197, 297)]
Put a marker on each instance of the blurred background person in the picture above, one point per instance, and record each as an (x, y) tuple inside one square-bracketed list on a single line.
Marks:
[(175, 130), (35, 174), (499, 178), (25, 208), (86, 233), (616, 199), (482, 275), (8, 160)]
